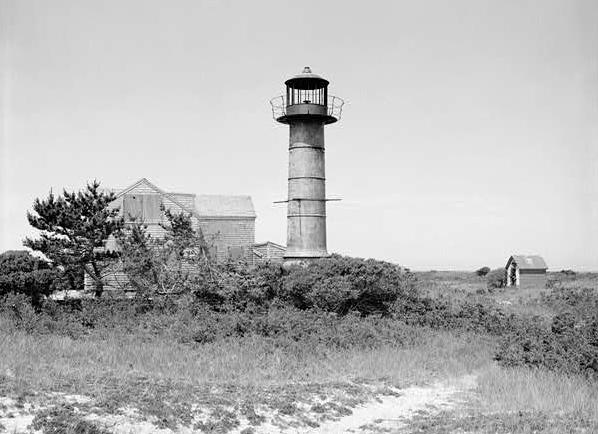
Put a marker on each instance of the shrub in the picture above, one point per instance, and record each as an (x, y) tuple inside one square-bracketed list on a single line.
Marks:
[(565, 347), (240, 285), (337, 284), (340, 284), (188, 321), (581, 302), (286, 326), (175, 262), (496, 279), (16, 308), (482, 271), (178, 263), (461, 315), (568, 342), (64, 419), (23, 273)]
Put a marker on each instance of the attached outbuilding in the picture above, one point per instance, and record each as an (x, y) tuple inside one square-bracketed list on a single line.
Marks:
[(267, 252), (527, 271)]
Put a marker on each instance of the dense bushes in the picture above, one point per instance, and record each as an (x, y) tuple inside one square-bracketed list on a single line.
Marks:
[(286, 325), (458, 315), (16, 310), (321, 301), (482, 271), (337, 284), (23, 273), (338, 302), (568, 342), (342, 284), (581, 302), (179, 263), (237, 286), (190, 322), (566, 346)]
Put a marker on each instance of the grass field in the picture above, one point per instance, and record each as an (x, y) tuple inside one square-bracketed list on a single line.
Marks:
[(51, 382)]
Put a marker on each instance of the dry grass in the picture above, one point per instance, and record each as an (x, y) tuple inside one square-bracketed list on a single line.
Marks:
[(463, 285), (518, 401), (513, 390), (457, 285), (575, 281), (58, 363), (165, 381)]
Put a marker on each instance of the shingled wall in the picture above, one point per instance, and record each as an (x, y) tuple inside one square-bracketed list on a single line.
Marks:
[(532, 278), (225, 234)]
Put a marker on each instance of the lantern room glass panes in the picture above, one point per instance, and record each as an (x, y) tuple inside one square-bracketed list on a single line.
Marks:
[(306, 96)]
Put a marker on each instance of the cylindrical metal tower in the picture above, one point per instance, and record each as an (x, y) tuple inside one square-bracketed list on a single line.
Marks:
[(306, 108)]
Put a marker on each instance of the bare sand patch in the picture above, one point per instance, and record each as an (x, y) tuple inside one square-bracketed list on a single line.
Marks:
[(388, 410)]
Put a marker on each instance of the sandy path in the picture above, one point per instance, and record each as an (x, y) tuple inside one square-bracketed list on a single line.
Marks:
[(13, 419), (393, 411), (389, 412)]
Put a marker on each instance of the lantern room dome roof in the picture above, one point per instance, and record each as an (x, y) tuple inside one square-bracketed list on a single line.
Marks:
[(306, 80)]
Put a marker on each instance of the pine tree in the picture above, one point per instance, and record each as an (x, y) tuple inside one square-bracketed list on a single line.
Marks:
[(181, 236), (74, 228), (139, 260), (167, 264)]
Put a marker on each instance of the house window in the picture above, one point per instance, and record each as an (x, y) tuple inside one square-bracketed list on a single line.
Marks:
[(142, 208)]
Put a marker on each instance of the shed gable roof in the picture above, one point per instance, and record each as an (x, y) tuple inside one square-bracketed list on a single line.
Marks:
[(528, 262)]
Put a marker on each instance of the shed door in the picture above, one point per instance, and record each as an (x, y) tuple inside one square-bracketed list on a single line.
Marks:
[(513, 275)]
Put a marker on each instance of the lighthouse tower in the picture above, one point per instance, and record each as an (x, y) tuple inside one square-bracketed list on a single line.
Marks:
[(306, 108)]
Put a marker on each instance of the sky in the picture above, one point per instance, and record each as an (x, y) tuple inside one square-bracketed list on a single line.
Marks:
[(469, 133)]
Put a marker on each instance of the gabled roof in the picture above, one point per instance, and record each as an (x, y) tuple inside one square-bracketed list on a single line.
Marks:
[(206, 205), (528, 262), (214, 205), (269, 243), (158, 190)]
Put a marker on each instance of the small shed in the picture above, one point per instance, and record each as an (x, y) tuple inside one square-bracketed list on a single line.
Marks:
[(268, 252), (526, 271)]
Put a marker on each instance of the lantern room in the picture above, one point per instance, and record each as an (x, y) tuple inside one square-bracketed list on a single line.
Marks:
[(307, 88), (306, 97)]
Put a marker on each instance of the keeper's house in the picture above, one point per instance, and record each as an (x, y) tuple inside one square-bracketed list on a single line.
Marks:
[(227, 222), (526, 271)]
